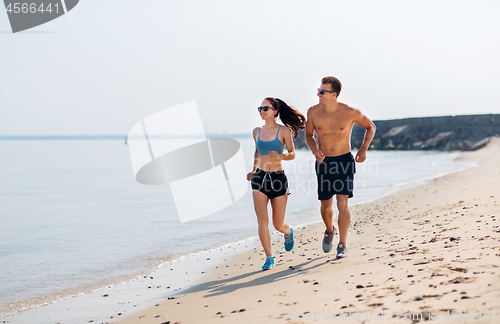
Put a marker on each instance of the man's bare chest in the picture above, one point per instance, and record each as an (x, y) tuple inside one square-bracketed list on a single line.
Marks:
[(332, 123)]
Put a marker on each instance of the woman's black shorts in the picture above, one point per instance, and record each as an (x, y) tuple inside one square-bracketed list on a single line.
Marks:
[(272, 184), (335, 176)]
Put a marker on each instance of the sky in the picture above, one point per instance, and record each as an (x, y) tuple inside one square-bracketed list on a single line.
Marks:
[(106, 65)]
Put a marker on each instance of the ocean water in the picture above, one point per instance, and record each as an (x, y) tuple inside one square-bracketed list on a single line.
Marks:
[(73, 218)]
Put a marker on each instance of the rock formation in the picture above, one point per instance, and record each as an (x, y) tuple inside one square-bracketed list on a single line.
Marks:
[(446, 133)]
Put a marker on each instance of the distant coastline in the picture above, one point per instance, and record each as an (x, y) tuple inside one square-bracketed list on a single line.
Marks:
[(442, 133), (60, 137), (95, 137)]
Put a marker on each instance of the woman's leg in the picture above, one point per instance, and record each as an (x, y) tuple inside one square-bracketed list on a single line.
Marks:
[(260, 201), (278, 205)]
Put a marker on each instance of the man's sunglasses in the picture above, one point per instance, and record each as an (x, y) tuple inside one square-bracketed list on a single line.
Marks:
[(265, 108), (321, 91)]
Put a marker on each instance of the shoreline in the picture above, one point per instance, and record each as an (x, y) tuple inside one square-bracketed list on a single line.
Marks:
[(96, 293), (104, 304), (412, 257)]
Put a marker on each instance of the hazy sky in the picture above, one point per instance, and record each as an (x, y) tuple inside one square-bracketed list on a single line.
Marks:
[(106, 65)]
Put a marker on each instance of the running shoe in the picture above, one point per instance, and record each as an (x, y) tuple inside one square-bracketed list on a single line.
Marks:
[(289, 241), (269, 263), (342, 251), (327, 240)]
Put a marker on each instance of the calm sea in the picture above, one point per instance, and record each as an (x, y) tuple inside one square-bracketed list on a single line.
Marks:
[(74, 219)]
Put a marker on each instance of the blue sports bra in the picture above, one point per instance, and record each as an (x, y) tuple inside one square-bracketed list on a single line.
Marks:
[(263, 147)]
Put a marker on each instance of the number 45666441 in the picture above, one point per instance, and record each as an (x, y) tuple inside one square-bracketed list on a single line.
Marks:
[(470, 315), (31, 8)]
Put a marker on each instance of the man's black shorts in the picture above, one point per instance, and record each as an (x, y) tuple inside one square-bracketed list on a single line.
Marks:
[(335, 176), (272, 184)]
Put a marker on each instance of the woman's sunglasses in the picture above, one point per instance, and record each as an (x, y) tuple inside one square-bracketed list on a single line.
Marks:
[(322, 92), (265, 108)]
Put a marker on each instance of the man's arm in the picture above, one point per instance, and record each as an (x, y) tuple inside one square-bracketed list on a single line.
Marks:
[(310, 141), (370, 127)]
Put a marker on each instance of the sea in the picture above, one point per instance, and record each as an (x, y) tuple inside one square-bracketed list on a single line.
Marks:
[(73, 218)]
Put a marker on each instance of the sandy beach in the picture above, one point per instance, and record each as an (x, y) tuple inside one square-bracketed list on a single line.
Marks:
[(427, 253)]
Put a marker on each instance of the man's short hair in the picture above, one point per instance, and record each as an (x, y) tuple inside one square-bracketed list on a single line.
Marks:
[(334, 82)]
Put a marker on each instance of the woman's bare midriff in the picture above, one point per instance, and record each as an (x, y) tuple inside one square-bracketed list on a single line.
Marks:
[(267, 164)]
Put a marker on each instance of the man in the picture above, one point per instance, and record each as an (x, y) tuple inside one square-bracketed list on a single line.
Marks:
[(335, 166)]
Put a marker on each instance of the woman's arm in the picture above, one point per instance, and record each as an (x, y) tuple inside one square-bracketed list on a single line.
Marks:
[(287, 137), (290, 147), (256, 157)]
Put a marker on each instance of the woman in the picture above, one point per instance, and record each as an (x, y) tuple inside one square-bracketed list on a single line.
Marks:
[(269, 182)]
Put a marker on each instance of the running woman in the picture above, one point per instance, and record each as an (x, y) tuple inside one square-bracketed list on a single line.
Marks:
[(268, 179)]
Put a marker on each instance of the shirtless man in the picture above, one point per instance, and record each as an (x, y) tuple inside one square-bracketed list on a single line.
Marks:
[(335, 166)]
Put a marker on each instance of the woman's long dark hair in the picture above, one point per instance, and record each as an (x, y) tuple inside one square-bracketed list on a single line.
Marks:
[(290, 116)]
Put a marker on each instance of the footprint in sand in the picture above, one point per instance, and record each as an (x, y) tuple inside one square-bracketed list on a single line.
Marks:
[(461, 279)]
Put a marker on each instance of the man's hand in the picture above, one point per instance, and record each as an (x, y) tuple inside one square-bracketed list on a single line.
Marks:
[(360, 156), (319, 156)]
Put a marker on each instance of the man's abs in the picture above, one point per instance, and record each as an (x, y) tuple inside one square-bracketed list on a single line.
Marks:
[(333, 130), (334, 144)]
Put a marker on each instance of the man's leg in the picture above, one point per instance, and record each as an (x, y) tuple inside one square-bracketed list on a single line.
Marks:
[(344, 218), (327, 214)]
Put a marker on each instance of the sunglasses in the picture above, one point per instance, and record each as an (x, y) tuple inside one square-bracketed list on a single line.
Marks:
[(321, 91), (265, 108)]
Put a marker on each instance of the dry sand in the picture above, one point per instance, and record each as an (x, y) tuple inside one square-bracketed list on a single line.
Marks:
[(432, 250)]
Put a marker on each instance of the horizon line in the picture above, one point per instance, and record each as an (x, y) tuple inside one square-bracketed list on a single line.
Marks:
[(103, 137), (208, 135)]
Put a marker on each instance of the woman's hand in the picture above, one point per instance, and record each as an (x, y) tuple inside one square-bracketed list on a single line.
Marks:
[(274, 155), (250, 175)]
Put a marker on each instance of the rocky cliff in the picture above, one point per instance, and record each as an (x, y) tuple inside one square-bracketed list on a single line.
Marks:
[(446, 133)]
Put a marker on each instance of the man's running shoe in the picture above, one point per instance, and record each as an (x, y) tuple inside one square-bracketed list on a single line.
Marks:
[(289, 241), (342, 251), (327, 240), (269, 263)]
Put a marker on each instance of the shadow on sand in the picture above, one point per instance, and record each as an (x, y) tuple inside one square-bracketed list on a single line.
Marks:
[(255, 278)]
